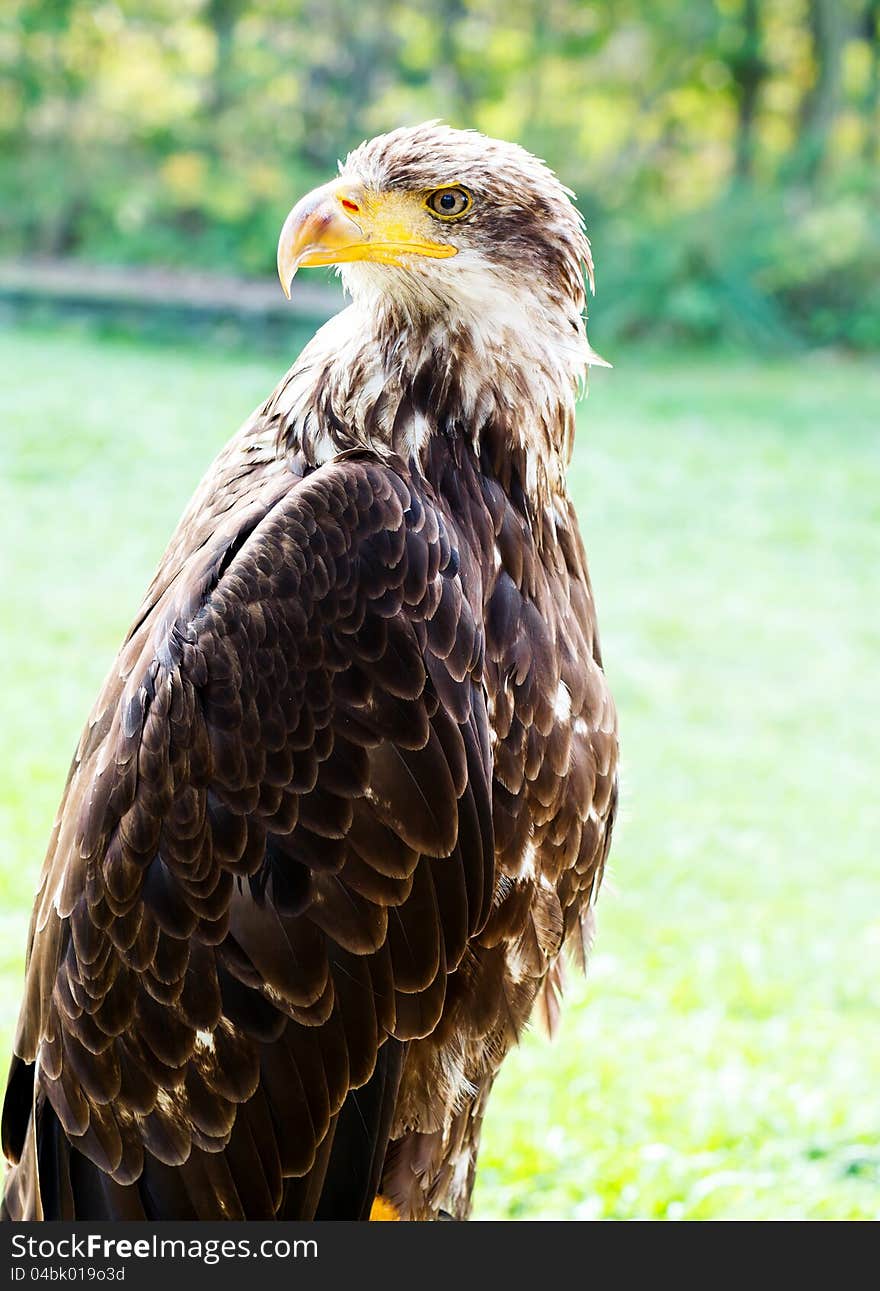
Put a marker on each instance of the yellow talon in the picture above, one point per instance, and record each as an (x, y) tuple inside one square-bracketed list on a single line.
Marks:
[(383, 1209)]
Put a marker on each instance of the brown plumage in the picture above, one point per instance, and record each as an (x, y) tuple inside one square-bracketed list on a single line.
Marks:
[(348, 788)]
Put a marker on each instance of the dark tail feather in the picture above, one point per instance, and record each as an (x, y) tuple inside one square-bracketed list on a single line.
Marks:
[(38, 1185), (17, 1107), (54, 1181), (302, 1194), (362, 1133)]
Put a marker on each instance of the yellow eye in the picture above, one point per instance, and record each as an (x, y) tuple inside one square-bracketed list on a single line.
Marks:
[(449, 203)]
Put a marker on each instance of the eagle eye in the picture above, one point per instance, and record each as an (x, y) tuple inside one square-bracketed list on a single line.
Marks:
[(449, 203)]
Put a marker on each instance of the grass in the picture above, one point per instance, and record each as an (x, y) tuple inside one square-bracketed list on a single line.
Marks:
[(723, 1056)]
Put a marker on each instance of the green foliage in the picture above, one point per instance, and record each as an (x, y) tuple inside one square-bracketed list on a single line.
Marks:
[(725, 151), (774, 269), (721, 1058)]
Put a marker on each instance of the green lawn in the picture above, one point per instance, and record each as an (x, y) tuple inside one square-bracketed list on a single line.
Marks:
[(723, 1056)]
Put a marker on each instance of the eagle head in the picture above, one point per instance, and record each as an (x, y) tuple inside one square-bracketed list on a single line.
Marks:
[(465, 258), (434, 221)]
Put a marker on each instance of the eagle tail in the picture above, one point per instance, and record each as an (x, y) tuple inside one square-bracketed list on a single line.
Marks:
[(51, 1180)]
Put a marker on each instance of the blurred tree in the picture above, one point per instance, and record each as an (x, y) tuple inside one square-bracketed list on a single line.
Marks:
[(343, 66), (871, 102), (749, 71), (221, 16), (826, 20)]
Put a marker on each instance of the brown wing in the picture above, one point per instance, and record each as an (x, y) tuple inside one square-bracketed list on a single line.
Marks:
[(275, 844), (554, 741)]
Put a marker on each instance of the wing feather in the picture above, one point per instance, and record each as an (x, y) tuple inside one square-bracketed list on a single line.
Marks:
[(275, 844)]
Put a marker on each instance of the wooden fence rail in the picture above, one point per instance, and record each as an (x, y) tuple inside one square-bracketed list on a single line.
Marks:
[(70, 284)]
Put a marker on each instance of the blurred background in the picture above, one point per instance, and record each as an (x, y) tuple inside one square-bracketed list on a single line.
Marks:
[(723, 1057), (725, 152)]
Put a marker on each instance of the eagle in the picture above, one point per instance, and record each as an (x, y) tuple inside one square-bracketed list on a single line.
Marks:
[(347, 792)]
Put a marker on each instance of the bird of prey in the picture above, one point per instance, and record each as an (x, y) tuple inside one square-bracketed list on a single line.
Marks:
[(348, 789)]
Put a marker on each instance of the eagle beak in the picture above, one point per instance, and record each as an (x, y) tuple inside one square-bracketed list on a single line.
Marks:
[(342, 222)]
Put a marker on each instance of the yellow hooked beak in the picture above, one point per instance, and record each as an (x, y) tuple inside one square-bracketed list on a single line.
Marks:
[(342, 222)]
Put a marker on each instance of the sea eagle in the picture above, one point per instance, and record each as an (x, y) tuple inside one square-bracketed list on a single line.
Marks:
[(348, 789)]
